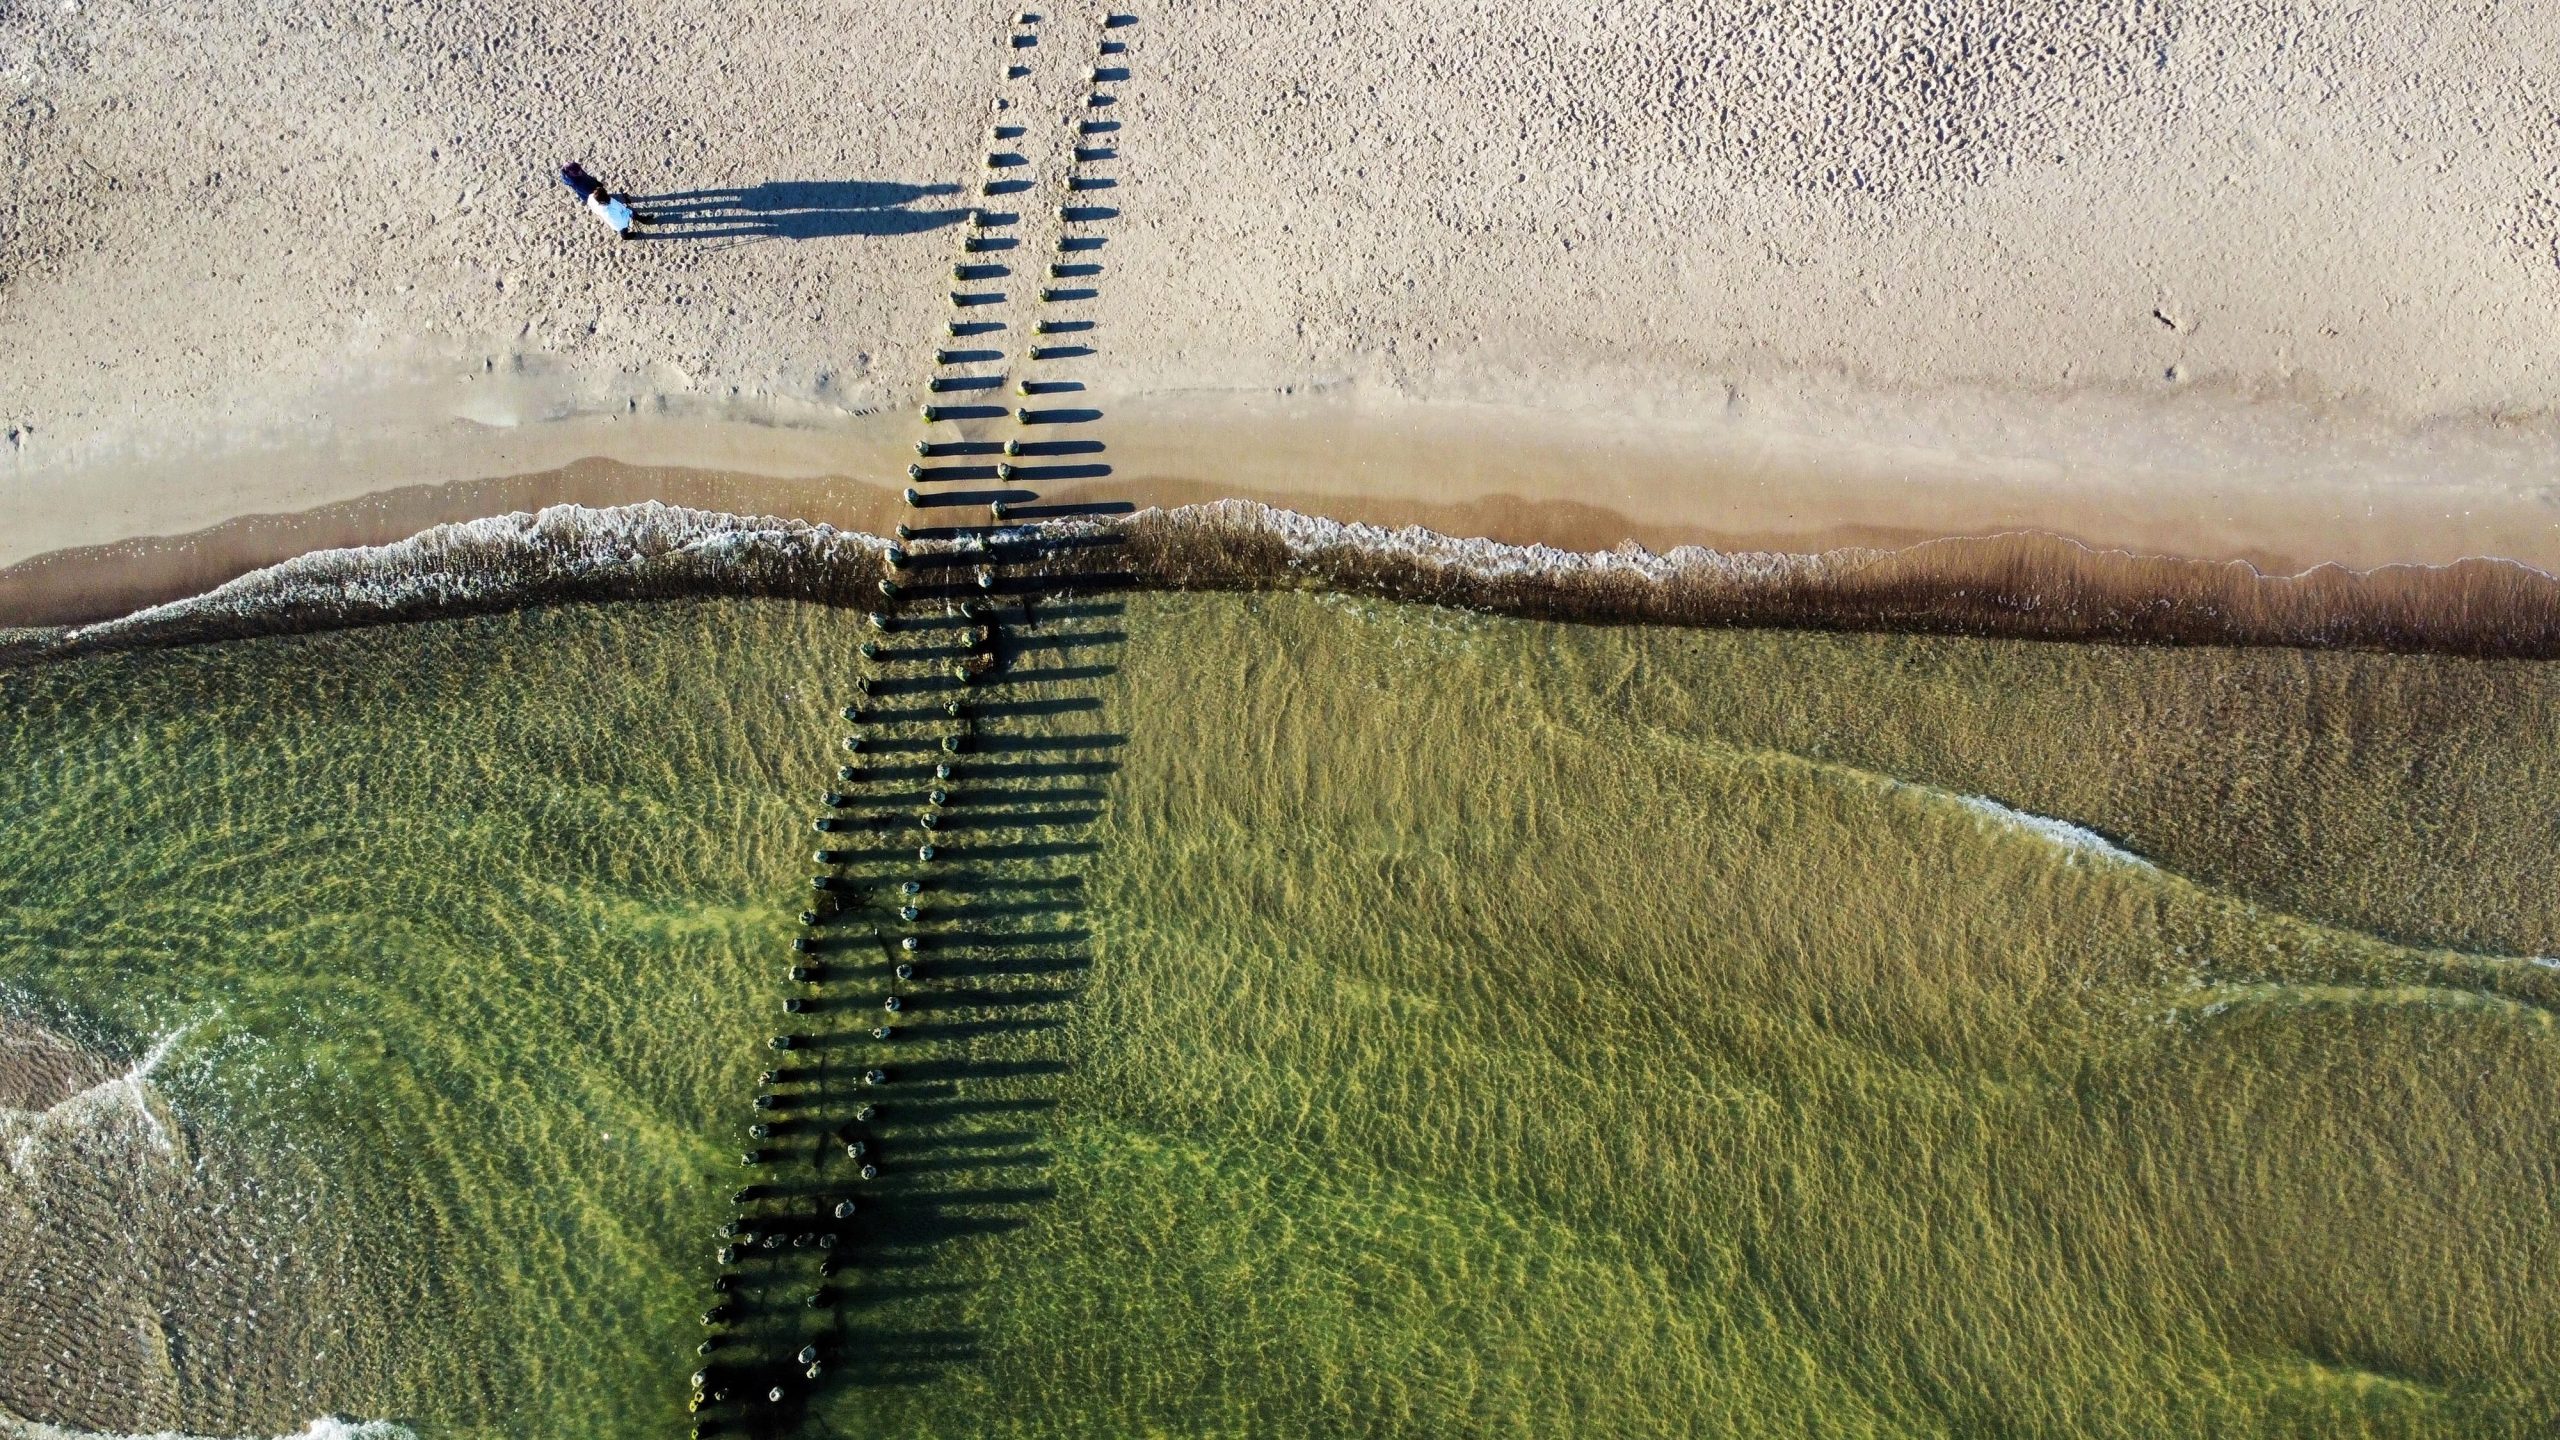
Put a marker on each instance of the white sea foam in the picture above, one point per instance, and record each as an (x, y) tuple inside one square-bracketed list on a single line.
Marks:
[(2076, 838), (501, 557), (569, 551), (1310, 537), (574, 552), (125, 1104), (327, 1427)]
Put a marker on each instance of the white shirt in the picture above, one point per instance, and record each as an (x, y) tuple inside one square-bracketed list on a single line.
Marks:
[(615, 215)]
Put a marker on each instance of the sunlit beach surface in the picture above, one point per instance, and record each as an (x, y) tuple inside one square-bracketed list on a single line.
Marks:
[(756, 721)]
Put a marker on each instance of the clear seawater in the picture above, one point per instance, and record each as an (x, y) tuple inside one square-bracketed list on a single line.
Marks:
[(1417, 1023)]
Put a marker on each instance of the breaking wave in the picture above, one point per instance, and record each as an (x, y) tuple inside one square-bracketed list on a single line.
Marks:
[(153, 1269), (2078, 839), (2028, 586), (122, 1107)]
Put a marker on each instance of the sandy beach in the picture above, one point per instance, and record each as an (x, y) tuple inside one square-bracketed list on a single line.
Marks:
[(2183, 280), (1784, 718)]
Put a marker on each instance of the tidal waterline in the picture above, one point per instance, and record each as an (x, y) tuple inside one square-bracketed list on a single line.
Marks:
[(1492, 1026)]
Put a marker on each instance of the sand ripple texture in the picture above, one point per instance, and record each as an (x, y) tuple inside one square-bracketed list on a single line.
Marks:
[(327, 1427), (147, 1277), (2021, 585), (1464, 1025)]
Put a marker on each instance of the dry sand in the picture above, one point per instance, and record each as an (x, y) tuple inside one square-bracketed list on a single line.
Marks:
[(2236, 281)]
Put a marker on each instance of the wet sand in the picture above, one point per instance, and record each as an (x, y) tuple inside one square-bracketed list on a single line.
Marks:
[(2172, 279), (2019, 585), (1472, 472)]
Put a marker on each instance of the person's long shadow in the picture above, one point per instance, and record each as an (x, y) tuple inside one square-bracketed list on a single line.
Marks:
[(793, 210)]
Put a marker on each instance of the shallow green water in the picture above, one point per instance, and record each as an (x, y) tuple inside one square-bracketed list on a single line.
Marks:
[(1484, 1026)]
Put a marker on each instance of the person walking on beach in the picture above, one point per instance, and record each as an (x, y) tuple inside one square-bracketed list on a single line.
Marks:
[(615, 212)]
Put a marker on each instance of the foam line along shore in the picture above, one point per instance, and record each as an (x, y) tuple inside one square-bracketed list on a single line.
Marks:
[(2028, 586)]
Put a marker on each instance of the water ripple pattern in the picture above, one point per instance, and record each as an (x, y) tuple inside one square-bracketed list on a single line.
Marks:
[(914, 1066)]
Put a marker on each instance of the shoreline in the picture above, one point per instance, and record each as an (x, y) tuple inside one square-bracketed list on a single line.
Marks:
[(1809, 473), (2019, 586), (2208, 283)]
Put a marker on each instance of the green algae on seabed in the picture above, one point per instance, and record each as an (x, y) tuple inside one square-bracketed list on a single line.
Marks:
[(1493, 1027)]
